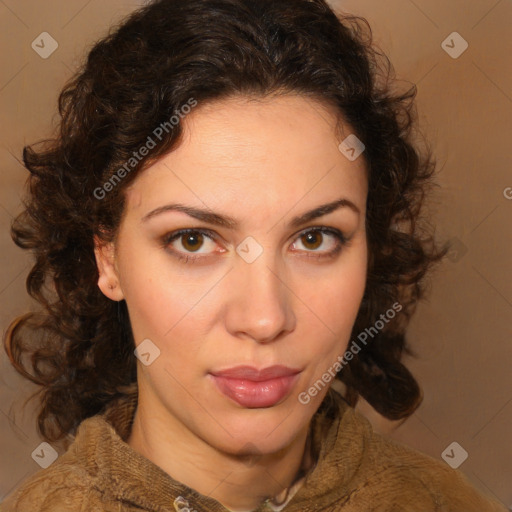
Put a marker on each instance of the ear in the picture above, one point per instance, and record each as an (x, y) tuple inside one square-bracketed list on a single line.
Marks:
[(108, 281)]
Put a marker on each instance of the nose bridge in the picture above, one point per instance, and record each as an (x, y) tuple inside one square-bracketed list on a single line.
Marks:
[(260, 305)]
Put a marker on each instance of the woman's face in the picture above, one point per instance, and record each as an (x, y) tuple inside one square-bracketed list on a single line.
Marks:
[(263, 277)]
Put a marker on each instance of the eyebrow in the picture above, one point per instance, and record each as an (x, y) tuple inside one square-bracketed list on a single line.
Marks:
[(230, 223)]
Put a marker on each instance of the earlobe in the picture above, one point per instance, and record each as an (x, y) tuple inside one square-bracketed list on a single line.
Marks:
[(108, 280)]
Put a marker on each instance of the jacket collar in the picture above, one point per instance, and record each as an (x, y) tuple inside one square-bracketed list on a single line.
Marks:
[(129, 477)]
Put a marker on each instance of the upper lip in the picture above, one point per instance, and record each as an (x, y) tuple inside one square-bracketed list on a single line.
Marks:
[(251, 373)]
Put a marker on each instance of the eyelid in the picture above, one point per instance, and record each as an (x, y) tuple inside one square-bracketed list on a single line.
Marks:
[(175, 235), (340, 237), (167, 239), (323, 229)]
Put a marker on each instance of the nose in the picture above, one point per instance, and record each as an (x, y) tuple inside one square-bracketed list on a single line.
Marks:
[(260, 306)]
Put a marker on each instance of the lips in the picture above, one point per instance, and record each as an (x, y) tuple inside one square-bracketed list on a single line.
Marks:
[(253, 388)]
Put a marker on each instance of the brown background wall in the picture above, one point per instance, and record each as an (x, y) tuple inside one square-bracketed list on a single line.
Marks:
[(462, 334)]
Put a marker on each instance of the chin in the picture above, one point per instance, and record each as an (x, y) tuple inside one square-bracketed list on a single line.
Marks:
[(258, 433)]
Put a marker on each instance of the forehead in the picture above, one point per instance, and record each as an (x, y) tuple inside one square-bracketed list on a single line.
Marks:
[(254, 154)]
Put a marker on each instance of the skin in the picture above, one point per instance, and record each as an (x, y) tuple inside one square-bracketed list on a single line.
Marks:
[(262, 162)]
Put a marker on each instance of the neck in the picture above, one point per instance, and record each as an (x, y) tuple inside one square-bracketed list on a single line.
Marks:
[(239, 482)]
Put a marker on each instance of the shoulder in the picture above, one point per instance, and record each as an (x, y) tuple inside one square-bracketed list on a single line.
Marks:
[(59, 488), (70, 484), (404, 477)]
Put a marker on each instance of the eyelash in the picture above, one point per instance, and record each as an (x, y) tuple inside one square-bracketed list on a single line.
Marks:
[(171, 237)]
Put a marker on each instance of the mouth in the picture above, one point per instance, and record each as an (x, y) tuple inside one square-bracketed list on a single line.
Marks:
[(253, 388)]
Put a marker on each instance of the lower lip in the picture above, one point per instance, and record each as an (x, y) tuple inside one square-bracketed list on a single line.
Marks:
[(252, 394)]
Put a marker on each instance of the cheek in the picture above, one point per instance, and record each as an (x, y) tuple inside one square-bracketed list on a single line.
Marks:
[(160, 309), (342, 300), (333, 303), (164, 303), (340, 291)]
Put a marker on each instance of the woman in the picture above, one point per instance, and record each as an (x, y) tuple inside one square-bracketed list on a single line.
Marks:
[(225, 230)]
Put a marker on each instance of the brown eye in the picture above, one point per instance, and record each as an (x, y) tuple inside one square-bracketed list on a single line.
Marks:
[(184, 243), (312, 239), (321, 242), (192, 241)]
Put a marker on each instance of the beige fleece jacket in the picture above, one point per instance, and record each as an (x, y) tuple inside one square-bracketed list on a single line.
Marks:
[(356, 470)]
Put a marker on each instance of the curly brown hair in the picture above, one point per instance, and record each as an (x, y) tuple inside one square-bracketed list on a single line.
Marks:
[(79, 347)]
